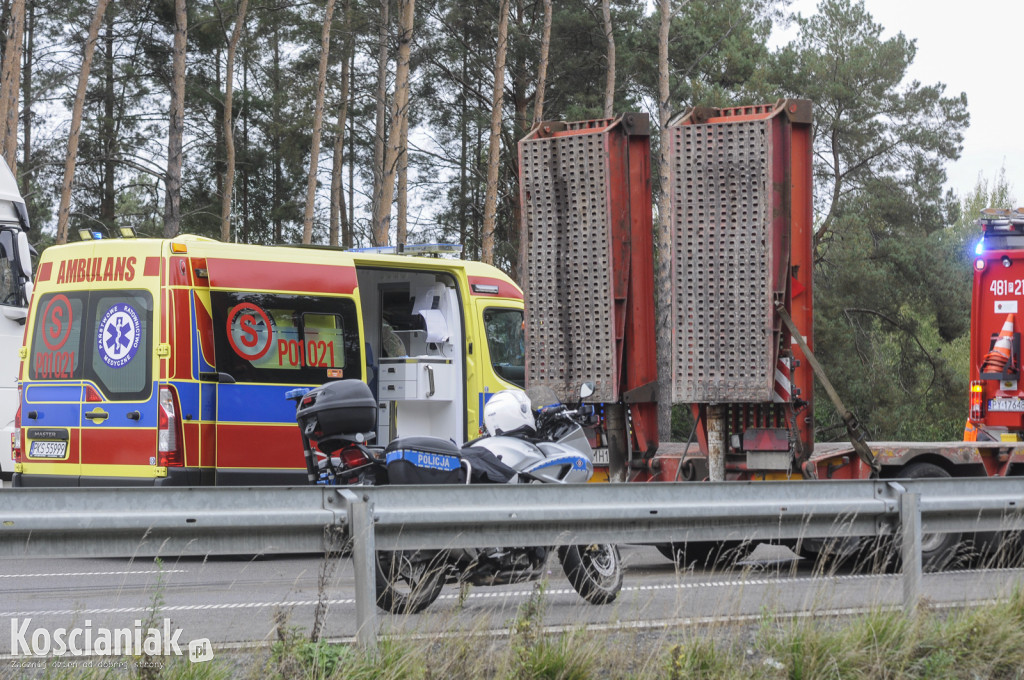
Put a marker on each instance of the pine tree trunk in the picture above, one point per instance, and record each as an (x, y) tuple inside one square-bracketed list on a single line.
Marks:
[(348, 232), (318, 123), (278, 191), (246, 226), (176, 129), (229, 123), (337, 194), (9, 84), (494, 151), (379, 235), (28, 95), (108, 141), (663, 289), (64, 211), (463, 202), (402, 199), (399, 112), (609, 82), (542, 68)]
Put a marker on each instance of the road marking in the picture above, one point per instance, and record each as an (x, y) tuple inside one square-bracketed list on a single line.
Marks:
[(176, 608), (488, 595), (98, 573)]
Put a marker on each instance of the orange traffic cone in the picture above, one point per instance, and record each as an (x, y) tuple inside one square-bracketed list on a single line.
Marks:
[(999, 356)]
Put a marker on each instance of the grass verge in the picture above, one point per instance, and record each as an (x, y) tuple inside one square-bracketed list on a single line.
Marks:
[(978, 642)]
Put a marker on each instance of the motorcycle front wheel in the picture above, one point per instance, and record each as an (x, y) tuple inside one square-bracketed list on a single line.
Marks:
[(408, 581), (595, 571)]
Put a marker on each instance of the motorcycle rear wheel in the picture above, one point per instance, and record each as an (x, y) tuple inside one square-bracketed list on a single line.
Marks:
[(408, 581), (595, 571)]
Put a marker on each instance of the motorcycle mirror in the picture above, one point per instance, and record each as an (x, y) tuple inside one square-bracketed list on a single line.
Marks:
[(586, 389)]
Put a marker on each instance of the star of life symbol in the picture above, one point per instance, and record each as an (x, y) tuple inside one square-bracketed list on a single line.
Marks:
[(119, 335)]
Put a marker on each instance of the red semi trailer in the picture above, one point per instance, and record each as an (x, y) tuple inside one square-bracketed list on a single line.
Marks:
[(741, 314)]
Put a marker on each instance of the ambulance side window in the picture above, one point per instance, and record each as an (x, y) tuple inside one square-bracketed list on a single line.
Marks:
[(285, 339), (56, 343), (504, 329)]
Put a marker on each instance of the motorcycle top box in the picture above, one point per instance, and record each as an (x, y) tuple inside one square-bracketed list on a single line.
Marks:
[(424, 460), (341, 407)]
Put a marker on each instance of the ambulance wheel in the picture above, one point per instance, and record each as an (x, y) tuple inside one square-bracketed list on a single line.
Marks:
[(408, 581), (595, 571), (937, 550)]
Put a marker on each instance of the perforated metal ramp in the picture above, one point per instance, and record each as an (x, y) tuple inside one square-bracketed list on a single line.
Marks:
[(722, 262), (569, 303)]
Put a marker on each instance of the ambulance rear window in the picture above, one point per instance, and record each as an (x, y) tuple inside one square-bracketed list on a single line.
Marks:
[(56, 349), (285, 339), (101, 336)]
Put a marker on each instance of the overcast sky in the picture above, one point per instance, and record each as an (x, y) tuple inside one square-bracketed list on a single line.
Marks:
[(971, 48)]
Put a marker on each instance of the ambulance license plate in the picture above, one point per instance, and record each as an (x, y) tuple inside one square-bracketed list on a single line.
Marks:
[(48, 450), (601, 455), (1012, 405)]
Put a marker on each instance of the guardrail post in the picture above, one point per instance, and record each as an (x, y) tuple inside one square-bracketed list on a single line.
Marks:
[(910, 524), (360, 522)]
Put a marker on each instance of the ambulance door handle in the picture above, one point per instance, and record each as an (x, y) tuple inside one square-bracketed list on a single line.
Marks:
[(32, 415), (134, 415), (430, 381), (97, 414), (225, 378)]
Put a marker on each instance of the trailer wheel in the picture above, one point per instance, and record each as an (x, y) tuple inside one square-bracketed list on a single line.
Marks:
[(937, 550)]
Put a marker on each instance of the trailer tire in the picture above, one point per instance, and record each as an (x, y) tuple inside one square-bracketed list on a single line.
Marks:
[(937, 550)]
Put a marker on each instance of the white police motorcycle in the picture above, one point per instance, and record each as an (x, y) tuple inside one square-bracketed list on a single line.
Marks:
[(523, 444)]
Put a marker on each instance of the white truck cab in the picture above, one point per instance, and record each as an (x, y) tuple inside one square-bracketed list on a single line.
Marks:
[(15, 291)]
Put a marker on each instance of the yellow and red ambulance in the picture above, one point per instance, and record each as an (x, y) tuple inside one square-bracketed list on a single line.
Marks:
[(167, 361)]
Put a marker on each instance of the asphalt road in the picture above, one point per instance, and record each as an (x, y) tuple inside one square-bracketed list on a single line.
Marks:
[(240, 600)]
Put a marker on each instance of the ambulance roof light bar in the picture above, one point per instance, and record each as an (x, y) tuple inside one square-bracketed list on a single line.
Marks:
[(96, 235), (413, 249)]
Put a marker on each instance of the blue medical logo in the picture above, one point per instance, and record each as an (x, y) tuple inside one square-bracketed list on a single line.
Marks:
[(119, 335)]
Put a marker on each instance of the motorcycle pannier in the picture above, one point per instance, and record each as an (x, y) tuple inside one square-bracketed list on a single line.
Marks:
[(424, 460), (339, 407)]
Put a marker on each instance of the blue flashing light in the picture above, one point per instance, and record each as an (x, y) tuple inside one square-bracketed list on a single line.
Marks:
[(980, 248), (97, 235)]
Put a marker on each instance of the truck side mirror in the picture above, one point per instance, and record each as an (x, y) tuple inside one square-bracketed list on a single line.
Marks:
[(24, 255)]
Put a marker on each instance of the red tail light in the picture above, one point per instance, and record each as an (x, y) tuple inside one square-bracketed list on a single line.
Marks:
[(16, 435), (353, 456), (977, 401), (168, 435)]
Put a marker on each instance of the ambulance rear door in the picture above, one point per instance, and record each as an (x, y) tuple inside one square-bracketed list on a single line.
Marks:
[(90, 403)]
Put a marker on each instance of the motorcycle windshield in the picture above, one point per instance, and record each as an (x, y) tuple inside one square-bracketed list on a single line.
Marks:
[(541, 396)]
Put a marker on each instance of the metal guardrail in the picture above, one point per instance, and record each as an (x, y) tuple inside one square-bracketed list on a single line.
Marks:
[(145, 522), (125, 522)]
